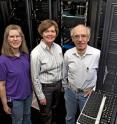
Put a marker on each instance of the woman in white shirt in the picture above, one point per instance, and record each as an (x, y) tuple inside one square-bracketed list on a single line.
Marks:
[(46, 70)]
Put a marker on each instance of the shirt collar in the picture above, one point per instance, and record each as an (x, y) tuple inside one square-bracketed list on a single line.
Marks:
[(88, 51), (45, 46), (15, 57)]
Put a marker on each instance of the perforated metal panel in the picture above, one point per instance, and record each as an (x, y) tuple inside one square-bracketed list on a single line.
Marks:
[(107, 75)]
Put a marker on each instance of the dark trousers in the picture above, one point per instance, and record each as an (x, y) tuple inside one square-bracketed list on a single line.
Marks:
[(35, 116), (48, 113)]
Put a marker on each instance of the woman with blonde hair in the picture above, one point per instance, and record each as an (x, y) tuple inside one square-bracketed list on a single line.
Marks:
[(15, 79)]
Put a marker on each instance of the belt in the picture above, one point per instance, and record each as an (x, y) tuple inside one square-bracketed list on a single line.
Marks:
[(79, 90), (51, 84)]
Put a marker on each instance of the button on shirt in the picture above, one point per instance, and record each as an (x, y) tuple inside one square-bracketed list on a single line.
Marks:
[(46, 66), (81, 71)]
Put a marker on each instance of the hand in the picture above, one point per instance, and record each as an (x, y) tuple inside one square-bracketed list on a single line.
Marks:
[(7, 109), (43, 101), (88, 93), (62, 89)]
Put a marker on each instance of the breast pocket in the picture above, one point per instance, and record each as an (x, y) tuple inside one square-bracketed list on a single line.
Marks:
[(45, 61), (44, 64), (91, 73)]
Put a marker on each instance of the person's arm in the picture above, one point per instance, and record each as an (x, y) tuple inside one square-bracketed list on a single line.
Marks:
[(3, 97), (35, 71), (65, 72)]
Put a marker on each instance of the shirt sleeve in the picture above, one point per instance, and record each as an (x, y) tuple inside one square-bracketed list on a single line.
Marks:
[(65, 72), (35, 72), (3, 71)]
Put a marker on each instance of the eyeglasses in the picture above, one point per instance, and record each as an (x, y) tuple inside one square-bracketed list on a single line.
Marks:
[(77, 37)]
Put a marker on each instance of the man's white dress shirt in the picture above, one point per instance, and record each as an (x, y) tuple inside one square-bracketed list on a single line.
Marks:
[(81, 71)]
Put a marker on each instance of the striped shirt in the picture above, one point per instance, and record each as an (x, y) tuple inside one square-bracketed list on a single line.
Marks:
[(46, 66)]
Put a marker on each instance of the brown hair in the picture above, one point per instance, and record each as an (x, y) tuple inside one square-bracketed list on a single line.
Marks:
[(6, 49), (47, 24)]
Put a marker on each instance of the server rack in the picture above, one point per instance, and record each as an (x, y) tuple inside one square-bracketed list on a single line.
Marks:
[(109, 44), (97, 22), (73, 12), (28, 14), (107, 73)]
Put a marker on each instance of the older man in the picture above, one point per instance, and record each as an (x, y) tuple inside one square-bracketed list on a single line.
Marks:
[(80, 71)]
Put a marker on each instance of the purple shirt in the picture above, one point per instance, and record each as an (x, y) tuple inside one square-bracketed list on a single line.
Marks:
[(16, 72)]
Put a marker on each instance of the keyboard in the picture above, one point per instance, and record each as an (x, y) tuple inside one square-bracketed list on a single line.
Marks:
[(110, 111), (93, 104), (85, 120), (98, 109)]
